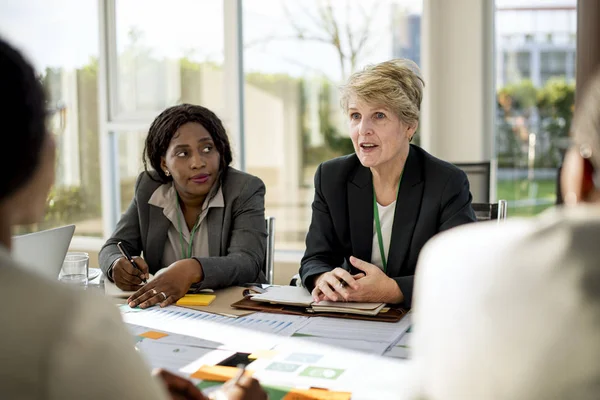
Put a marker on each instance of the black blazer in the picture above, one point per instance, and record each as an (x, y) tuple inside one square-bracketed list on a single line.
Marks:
[(434, 196)]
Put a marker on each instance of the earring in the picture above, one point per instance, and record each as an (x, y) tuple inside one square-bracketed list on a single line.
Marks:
[(167, 172)]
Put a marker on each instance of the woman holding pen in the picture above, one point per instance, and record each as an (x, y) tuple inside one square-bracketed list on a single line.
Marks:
[(191, 213), (375, 209), (58, 343)]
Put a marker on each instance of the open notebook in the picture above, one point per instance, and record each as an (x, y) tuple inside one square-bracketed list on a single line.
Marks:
[(296, 296)]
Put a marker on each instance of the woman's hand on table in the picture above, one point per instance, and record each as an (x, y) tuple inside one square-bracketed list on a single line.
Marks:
[(371, 285), (375, 286), (168, 287), (335, 285)]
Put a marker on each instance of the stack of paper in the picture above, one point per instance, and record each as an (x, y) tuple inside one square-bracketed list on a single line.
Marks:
[(350, 308), (110, 289), (288, 295), (296, 296)]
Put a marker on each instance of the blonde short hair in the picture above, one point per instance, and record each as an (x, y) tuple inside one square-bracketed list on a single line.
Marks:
[(585, 128), (395, 84)]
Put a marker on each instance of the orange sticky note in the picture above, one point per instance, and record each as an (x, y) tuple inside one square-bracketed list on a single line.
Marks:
[(153, 335), (316, 394), (217, 373)]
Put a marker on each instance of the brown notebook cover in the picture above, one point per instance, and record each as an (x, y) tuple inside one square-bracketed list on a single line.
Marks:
[(392, 315)]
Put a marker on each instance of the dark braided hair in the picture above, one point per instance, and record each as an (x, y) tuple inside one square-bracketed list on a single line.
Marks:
[(23, 116), (169, 121)]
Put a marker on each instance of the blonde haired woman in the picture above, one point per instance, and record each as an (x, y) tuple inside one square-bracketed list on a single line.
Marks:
[(375, 209)]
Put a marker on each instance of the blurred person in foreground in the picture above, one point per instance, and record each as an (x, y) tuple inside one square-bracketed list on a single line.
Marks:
[(55, 342), (513, 311)]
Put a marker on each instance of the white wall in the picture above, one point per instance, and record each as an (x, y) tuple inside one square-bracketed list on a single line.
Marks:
[(457, 57)]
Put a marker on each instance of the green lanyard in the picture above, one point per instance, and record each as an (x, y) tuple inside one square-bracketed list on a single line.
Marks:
[(185, 254), (378, 224)]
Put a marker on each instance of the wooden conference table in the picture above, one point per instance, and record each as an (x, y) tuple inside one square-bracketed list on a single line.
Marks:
[(347, 358)]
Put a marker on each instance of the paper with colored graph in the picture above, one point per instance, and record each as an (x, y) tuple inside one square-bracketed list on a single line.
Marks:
[(401, 348), (307, 364), (245, 334), (172, 351)]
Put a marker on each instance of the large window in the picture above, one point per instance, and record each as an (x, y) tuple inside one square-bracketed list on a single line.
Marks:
[(61, 39), (130, 165), (169, 54), (296, 54), (535, 43)]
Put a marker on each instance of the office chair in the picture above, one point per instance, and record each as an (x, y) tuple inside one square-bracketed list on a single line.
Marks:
[(483, 212), (559, 198), (478, 175), (270, 256), (490, 211)]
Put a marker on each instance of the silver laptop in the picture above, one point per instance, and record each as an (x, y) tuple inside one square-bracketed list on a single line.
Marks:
[(43, 252)]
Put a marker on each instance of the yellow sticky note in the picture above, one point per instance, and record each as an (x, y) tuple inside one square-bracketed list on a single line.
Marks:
[(217, 373), (196, 300), (153, 335), (262, 354), (316, 394)]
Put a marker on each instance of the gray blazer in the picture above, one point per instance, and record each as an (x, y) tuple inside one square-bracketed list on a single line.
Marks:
[(237, 233)]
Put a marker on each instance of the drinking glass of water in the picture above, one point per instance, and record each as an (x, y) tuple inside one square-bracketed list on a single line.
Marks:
[(75, 269)]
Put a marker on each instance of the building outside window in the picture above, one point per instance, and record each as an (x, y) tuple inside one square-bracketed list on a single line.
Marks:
[(64, 49), (535, 85), (296, 54)]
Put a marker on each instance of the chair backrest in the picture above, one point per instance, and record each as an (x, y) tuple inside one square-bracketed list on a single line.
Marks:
[(490, 211), (270, 256), (479, 179), (559, 199)]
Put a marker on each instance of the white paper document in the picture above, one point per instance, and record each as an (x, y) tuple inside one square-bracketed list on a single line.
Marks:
[(363, 346), (401, 348), (350, 307), (111, 290), (290, 295), (319, 365), (257, 331), (172, 338), (169, 356), (399, 352), (173, 351), (336, 328), (280, 324), (297, 296)]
